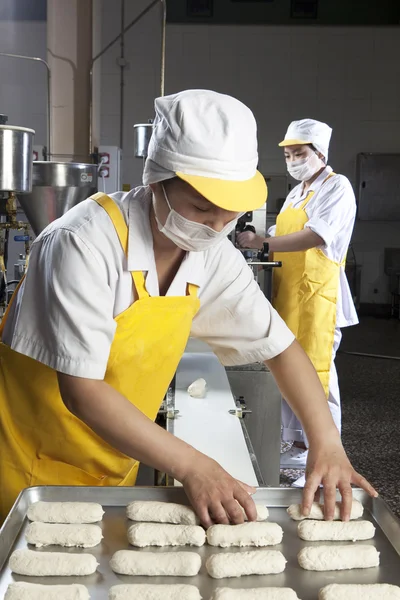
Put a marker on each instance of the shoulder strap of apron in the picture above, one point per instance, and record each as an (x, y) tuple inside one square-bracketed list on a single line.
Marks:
[(311, 193), (123, 234)]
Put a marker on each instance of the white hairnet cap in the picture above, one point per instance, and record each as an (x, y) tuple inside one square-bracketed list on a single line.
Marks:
[(210, 141), (309, 131)]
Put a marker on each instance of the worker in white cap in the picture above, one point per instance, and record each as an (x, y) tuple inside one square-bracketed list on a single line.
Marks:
[(311, 292), (115, 287)]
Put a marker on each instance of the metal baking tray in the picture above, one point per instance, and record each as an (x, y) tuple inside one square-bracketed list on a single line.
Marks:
[(115, 524)]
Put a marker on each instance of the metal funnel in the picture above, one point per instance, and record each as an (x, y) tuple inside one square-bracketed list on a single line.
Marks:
[(56, 187)]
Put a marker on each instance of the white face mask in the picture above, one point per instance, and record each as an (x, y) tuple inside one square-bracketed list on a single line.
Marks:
[(189, 235), (305, 168)]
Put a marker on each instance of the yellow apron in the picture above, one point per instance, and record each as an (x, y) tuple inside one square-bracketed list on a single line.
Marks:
[(305, 292), (41, 442)]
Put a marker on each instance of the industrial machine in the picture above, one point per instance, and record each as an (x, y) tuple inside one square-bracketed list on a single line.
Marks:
[(43, 190), (142, 134), (15, 178), (56, 187), (258, 260)]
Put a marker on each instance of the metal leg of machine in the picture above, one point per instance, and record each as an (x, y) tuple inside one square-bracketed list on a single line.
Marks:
[(258, 388)]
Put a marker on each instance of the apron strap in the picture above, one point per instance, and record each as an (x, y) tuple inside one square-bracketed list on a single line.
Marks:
[(311, 193), (123, 234), (116, 217), (140, 284), (307, 200), (192, 290)]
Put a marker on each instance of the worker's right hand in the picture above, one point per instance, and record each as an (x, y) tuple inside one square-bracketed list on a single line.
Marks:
[(215, 495), (248, 239)]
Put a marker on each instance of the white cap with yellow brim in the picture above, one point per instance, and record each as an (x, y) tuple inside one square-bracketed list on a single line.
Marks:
[(208, 140), (309, 131)]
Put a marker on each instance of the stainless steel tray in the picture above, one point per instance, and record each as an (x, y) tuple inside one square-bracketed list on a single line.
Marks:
[(114, 500)]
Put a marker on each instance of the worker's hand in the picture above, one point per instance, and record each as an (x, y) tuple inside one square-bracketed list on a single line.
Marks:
[(248, 239), (215, 495), (328, 464)]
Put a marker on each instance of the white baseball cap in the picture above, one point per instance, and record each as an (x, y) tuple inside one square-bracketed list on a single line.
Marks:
[(309, 131), (209, 140)]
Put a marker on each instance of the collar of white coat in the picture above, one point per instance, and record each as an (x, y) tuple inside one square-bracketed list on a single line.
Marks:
[(314, 187), (140, 243)]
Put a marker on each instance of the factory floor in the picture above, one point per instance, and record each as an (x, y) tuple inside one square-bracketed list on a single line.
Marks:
[(370, 391)]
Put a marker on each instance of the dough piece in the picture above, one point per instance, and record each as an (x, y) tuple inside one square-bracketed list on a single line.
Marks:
[(161, 512), (40, 564), (34, 591), (65, 512), (175, 564), (262, 513), (144, 591), (236, 564), (269, 593), (198, 389), (317, 511), (52, 534), (338, 558), (246, 534), (156, 534), (335, 531), (372, 591)]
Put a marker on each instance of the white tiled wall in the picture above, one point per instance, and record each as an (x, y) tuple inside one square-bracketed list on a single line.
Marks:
[(349, 77)]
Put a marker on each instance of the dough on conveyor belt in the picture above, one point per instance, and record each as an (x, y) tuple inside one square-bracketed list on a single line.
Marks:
[(246, 534), (144, 591), (317, 511), (65, 512), (34, 591), (335, 531), (156, 564), (266, 593), (338, 558), (236, 564), (67, 535), (41, 564), (161, 512), (165, 534), (372, 591), (198, 389)]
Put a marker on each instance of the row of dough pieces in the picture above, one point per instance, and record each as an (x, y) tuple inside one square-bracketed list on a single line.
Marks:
[(29, 591), (53, 526), (219, 566)]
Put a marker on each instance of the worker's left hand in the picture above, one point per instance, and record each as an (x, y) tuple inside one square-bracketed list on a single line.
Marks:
[(328, 464), (248, 239)]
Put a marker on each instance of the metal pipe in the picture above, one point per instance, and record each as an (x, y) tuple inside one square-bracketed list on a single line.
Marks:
[(383, 356), (163, 37), (122, 82), (123, 32), (48, 93)]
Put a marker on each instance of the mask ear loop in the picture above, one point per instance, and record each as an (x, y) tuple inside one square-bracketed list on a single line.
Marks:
[(166, 197)]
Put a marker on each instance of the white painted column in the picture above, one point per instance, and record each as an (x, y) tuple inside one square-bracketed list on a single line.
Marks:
[(69, 53)]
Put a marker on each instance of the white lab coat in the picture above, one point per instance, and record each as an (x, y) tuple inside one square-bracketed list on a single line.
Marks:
[(79, 279)]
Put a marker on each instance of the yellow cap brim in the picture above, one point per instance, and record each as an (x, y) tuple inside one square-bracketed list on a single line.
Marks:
[(294, 143), (236, 196)]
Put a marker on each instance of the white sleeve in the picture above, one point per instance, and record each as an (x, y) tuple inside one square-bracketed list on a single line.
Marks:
[(272, 231), (64, 311), (334, 208), (235, 317)]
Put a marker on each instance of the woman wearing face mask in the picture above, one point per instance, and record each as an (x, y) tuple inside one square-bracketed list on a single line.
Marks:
[(114, 288), (311, 292)]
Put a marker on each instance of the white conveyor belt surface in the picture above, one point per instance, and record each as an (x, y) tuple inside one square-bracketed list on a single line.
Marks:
[(205, 423)]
